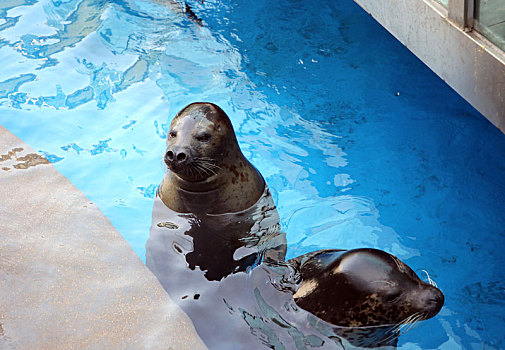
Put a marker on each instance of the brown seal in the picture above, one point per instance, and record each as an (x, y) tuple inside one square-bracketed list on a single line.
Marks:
[(207, 171), (363, 287), (370, 296)]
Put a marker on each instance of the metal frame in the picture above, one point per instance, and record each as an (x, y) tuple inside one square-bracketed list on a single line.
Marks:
[(442, 37), (461, 12)]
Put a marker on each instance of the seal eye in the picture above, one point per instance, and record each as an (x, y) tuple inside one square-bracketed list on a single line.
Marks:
[(172, 134), (203, 137)]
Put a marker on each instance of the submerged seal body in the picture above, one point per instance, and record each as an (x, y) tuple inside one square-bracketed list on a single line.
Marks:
[(208, 174), (363, 288)]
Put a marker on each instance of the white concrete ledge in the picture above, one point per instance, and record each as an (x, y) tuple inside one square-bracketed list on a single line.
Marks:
[(469, 63), (68, 279)]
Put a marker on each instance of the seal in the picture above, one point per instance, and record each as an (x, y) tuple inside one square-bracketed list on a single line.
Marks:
[(217, 248), (208, 174), (362, 288), (213, 222)]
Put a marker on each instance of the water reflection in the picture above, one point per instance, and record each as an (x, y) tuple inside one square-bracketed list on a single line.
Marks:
[(217, 245), (206, 264), (138, 30), (228, 273), (7, 5)]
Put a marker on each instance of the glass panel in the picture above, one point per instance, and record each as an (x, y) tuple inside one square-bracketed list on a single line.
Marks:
[(490, 20), (445, 3)]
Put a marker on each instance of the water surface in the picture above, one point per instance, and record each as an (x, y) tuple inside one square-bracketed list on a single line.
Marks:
[(360, 143)]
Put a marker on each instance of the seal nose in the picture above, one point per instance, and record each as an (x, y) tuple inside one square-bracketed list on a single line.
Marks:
[(175, 157), (433, 301), (437, 301), (169, 156), (181, 157)]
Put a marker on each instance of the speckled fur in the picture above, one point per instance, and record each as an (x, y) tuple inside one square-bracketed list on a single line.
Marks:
[(363, 288), (232, 184)]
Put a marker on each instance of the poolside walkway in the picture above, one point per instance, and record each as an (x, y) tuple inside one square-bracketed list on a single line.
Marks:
[(68, 279)]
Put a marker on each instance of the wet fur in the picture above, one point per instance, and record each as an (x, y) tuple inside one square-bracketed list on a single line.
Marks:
[(363, 288), (217, 178)]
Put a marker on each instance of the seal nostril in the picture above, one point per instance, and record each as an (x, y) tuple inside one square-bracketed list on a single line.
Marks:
[(169, 155), (181, 157), (435, 303)]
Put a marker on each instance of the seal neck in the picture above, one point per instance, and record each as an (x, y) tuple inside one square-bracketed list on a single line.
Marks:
[(210, 184)]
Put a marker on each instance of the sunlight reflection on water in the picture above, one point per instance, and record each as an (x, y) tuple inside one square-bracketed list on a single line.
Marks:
[(93, 84)]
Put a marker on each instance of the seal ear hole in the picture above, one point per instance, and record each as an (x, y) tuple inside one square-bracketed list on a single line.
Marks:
[(172, 134)]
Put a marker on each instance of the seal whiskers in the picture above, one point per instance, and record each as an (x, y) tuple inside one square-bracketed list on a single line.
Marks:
[(430, 281), (403, 327), (406, 324), (207, 165)]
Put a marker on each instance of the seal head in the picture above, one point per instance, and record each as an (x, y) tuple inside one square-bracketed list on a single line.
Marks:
[(207, 170), (200, 138), (364, 287)]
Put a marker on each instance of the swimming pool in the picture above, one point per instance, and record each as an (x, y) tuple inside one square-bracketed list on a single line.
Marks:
[(360, 143)]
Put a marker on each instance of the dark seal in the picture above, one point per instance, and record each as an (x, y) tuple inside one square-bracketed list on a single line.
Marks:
[(364, 292)]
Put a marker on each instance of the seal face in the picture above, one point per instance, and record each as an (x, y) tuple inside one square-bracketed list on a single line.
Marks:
[(207, 171), (197, 142), (363, 288)]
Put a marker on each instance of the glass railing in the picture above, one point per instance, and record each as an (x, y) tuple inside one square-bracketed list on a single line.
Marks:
[(490, 20)]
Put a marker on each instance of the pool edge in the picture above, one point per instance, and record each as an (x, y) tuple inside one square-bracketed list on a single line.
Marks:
[(68, 277), (466, 61)]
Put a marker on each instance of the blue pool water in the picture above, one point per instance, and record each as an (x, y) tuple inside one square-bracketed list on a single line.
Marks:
[(360, 143)]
